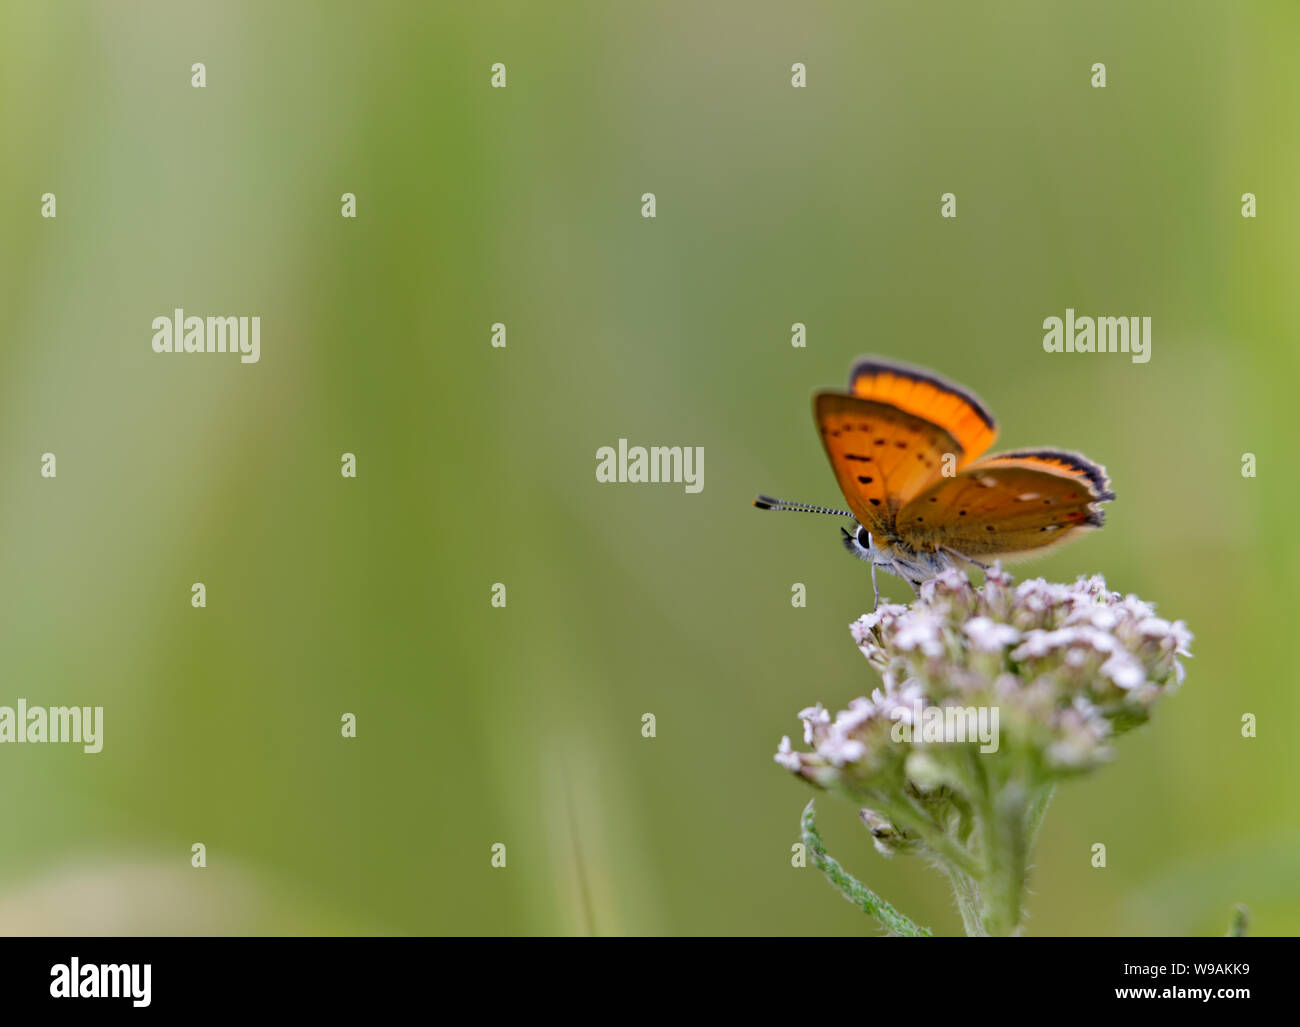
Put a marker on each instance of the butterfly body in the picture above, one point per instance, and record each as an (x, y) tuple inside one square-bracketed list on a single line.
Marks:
[(906, 448), (896, 556)]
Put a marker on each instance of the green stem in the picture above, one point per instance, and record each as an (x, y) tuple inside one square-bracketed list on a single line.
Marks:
[(1005, 854), (855, 891), (967, 895), (1037, 810)]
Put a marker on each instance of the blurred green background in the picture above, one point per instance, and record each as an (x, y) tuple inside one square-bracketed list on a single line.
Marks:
[(476, 465)]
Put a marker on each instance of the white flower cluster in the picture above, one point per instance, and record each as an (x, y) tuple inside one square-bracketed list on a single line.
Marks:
[(1065, 666)]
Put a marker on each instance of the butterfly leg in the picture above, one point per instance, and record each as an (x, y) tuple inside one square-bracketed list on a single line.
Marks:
[(903, 574), (963, 556), (875, 587)]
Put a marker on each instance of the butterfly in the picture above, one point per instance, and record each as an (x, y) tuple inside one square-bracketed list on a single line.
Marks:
[(905, 446)]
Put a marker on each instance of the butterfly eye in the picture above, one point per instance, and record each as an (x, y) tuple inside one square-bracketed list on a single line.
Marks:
[(864, 538)]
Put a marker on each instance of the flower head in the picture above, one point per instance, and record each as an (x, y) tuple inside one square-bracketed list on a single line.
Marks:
[(1066, 666), (989, 696)]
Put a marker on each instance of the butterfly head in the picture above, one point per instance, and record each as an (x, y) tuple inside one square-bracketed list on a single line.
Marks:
[(859, 542)]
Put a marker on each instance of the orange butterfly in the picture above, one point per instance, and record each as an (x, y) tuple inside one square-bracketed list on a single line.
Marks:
[(904, 445)]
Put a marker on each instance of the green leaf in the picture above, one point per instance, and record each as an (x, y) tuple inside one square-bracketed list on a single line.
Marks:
[(854, 890)]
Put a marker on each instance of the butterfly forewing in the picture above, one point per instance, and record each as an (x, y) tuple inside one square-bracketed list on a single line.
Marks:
[(882, 456), (924, 394)]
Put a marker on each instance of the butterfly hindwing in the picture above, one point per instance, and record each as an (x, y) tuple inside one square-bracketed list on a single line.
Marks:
[(882, 456), (1008, 504), (924, 394)]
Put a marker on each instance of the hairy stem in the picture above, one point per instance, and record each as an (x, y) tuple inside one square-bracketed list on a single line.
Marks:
[(1005, 855)]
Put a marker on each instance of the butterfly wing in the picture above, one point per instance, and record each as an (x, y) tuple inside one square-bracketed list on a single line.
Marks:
[(882, 456), (1008, 504), (924, 394)]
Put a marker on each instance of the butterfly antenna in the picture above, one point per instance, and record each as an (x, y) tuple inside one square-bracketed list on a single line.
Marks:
[(768, 503)]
